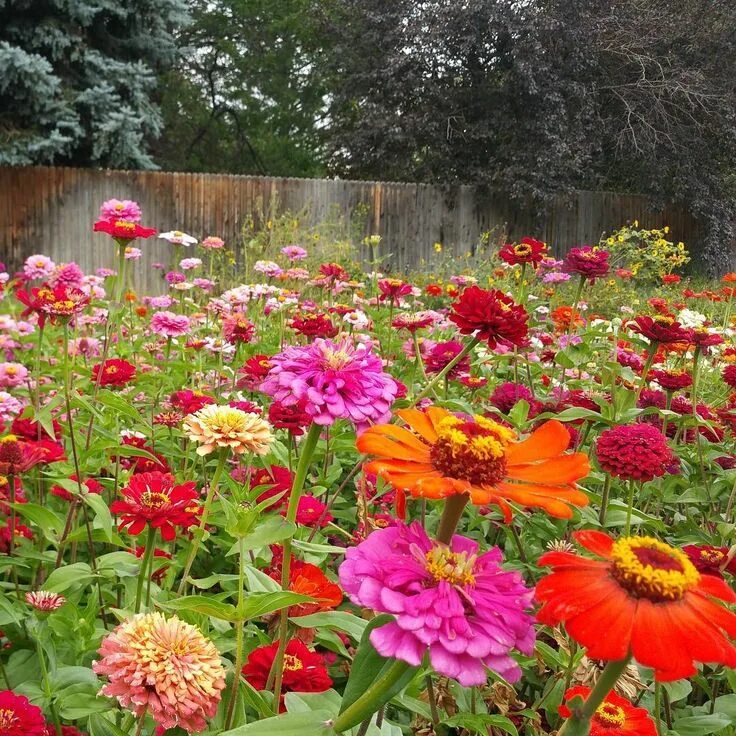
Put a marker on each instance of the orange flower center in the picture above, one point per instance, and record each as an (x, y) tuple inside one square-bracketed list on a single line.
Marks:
[(292, 663), (712, 556), (648, 568), (7, 719), (663, 319), (454, 567), (111, 370), (335, 359), (472, 449), (154, 500), (124, 225), (610, 715), (522, 249)]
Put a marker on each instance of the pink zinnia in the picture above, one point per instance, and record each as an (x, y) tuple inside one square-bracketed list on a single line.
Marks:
[(337, 381), (69, 275), (163, 667), (169, 324), (12, 374), (38, 267), (213, 243), (120, 209), (462, 607), (294, 252)]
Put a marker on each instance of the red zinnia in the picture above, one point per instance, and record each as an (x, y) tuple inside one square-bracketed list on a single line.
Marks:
[(123, 229), (393, 290), (313, 325), (634, 451), (442, 354), (113, 372), (304, 670), (154, 499), (308, 579), (18, 456), (644, 599), (671, 278), (529, 250), (18, 717), (433, 290), (237, 329), (138, 463), (615, 716), (660, 329), (92, 486), (294, 417), (710, 560), (493, 315), (190, 402), (729, 376), (277, 481), (254, 371), (703, 338), (672, 380), (588, 262), (334, 272)]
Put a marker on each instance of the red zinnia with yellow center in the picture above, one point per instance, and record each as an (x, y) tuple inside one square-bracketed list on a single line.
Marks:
[(615, 716), (643, 599), (442, 455)]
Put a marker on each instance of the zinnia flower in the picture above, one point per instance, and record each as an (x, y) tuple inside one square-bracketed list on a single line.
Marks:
[(634, 451), (304, 670), (168, 324), (461, 606), (163, 667), (123, 229), (644, 599), (117, 209), (528, 250), (490, 314), (729, 376), (177, 237), (442, 354), (154, 499), (213, 243), (293, 417), (615, 716), (308, 579), (671, 380), (294, 252), (507, 395), (313, 325), (662, 329), (12, 375), (113, 372), (18, 717), (710, 560), (588, 262), (337, 381), (442, 455), (224, 426), (38, 267), (45, 601), (238, 329)]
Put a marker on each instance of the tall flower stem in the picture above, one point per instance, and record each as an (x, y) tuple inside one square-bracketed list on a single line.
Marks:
[(240, 626), (451, 515), (47, 684), (371, 700), (645, 371), (120, 278), (305, 459), (630, 507), (203, 520), (145, 566), (578, 724), (445, 371), (604, 499)]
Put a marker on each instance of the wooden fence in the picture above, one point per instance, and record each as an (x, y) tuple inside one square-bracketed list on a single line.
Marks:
[(50, 210)]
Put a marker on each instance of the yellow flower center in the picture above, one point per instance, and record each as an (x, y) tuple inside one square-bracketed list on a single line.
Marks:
[(472, 449), (119, 206), (609, 714), (9, 438), (7, 719), (663, 319), (292, 663), (125, 224), (178, 233), (454, 567), (523, 249), (712, 556), (111, 370), (648, 568), (335, 359), (154, 500)]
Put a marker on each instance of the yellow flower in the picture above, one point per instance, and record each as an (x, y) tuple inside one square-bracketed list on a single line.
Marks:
[(224, 426), (666, 229), (438, 247), (636, 223)]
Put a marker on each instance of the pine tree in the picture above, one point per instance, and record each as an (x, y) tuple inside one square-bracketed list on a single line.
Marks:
[(78, 79)]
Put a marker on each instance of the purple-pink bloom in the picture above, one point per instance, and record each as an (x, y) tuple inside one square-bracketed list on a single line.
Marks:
[(294, 252), (169, 324), (336, 380), (67, 274), (507, 395), (120, 209), (461, 607), (38, 267), (12, 374)]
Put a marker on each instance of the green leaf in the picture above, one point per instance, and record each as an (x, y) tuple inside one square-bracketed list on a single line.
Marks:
[(102, 512), (313, 723), (481, 722), (207, 606), (64, 577), (8, 614), (81, 705), (701, 725), (99, 726), (66, 676), (368, 665), (340, 620), (259, 604), (45, 519), (275, 529)]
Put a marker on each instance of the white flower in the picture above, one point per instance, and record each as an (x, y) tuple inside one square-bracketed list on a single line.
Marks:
[(177, 237), (689, 318)]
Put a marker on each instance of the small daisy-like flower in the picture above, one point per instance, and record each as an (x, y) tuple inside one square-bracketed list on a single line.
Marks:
[(224, 426), (163, 667), (44, 600), (177, 237)]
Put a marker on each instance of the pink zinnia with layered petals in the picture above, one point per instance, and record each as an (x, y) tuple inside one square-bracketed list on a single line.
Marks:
[(336, 380), (163, 667), (461, 606), (169, 324), (120, 209)]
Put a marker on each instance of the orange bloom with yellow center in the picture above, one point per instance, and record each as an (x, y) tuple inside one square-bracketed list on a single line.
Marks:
[(440, 455)]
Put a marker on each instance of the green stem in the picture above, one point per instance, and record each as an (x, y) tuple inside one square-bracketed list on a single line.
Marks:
[(203, 521), (371, 700), (47, 686), (451, 514), (658, 707), (305, 459), (145, 565), (578, 724), (604, 499), (629, 507), (468, 347), (238, 638), (647, 367)]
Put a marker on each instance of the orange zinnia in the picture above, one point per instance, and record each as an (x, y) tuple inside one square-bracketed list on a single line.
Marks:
[(644, 600), (442, 455)]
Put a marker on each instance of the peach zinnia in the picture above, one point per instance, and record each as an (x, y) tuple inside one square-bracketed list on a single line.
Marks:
[(164, 667), (443, 455), (224, 426)]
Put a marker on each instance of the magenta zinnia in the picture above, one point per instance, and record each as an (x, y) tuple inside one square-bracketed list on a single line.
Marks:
[(459, 605), (163, 667), (336, 380)]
